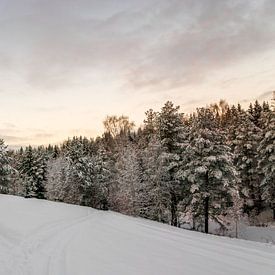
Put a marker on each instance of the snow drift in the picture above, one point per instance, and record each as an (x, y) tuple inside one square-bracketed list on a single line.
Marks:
[(39, 237)]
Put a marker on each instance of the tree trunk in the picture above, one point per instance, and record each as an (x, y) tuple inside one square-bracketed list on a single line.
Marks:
[(236, 229), (174, 220), (206, 205), (206, 214), (273, 212)]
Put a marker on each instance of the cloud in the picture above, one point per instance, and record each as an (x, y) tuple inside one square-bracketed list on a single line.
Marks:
[(217, 34), (154, 45), (44, 109), (55, 44), (9, 125), (14, 135), (12, 139), (265, 95)]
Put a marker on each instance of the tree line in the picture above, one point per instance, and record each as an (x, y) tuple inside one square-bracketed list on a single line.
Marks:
[(217, 162)]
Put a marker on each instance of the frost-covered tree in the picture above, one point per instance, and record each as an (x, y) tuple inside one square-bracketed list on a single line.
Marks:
[(256, 113), (74, 148), (170, 128), (40, 171), (207, 168), (32, 168), (244, 139), (5, 168), (153, 196), (267, 162), (123, 193), (26, 165), (82, 181), (94, 173), (150, 126), (60, 186), (52, 151)]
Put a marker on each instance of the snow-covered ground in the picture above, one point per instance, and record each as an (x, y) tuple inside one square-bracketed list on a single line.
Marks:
[(264, 234), (39, 237), (257, 234)]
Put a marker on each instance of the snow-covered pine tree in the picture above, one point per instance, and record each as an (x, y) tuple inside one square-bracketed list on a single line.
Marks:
[(150, 126), (94, 173), (25, 167), (63, 182), (15, 182), (266, 162), (74, 148), (32, 168), (5, 168), (244, 137), (76, 157), (207, 168), (39, 172), (153, 196), (52, 151), (256, 114), (105, 176), (170, 128), (57, 182)]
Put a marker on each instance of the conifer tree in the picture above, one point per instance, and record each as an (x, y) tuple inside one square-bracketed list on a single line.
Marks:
[(170, 128), (58, 186), (207, 168), (267, 162), (5, 168), (94, 174), (256, 114), (32, 168), (39, 172), (244, 144), (153, 196)]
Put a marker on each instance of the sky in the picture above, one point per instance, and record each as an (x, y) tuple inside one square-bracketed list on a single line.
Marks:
[(65, 65)]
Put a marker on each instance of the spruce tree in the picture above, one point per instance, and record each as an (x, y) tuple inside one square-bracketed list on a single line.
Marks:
[(170, 128), (207, 168), (26, 165), (32, 168), (153, 196), (5, 168), (94, 173), (244, 139), (39, 172), (267, 162), (256, 114)]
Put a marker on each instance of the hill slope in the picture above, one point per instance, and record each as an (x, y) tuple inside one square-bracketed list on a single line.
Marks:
[(39, 237)]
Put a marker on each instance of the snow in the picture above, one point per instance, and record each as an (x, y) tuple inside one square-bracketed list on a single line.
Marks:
[(257, 234), (40, 237)]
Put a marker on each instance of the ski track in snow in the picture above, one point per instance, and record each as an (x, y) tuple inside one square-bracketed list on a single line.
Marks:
[(46, 238), (49, 241)]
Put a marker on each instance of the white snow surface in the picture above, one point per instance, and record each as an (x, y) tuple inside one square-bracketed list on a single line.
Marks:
[(40, 237)]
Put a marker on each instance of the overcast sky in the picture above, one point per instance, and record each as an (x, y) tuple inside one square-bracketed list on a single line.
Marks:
[(66, 64)]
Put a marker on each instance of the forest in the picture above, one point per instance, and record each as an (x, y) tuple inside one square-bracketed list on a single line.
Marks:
[(216, 162)]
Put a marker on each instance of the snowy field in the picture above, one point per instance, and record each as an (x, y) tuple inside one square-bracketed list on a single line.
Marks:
[(38, 237)]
